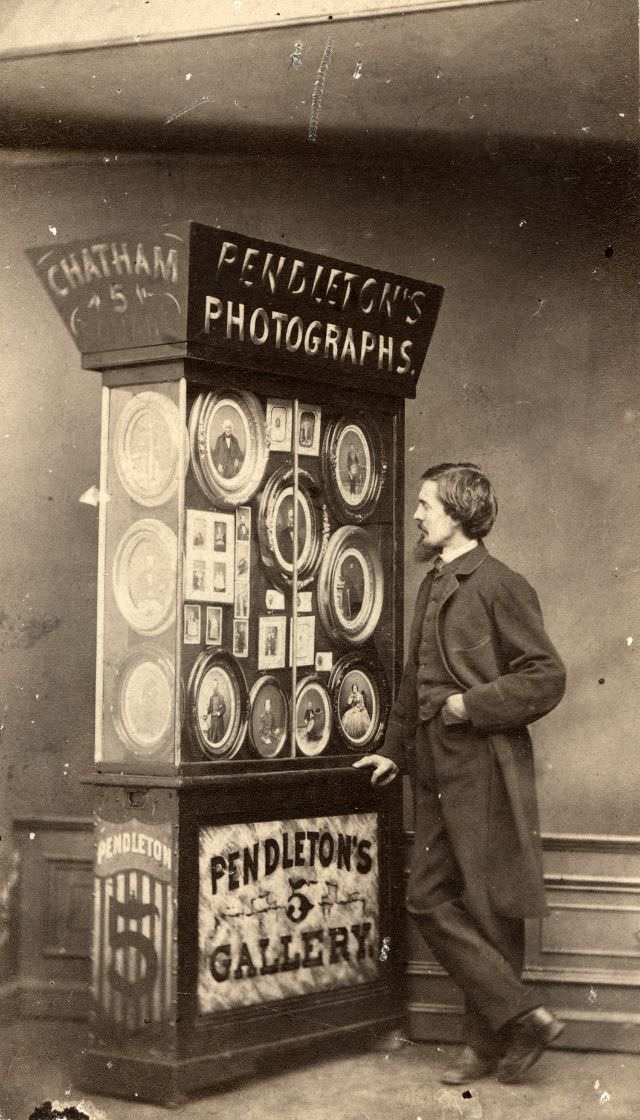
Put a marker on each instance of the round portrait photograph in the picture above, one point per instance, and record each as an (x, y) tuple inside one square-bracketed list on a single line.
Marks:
[(360, 698), (285, 546), (146, 447), (217, 704), (353, 464), (353, 467), (352, 588), (228, 435), (228, 445), (313, 717), (269, 718), (144, 576), (144, 702)]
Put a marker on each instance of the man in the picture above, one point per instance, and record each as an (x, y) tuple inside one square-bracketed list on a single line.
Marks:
[(480, 668), (227, 453)]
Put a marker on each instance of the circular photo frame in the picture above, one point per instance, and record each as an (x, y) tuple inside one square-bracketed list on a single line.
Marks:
[(217, 704), (351, 586), (276, 527), (313, 716), (268, 717), (144, 576), (228, 446), (146, 448), (353, 468), (360, 699), (143, 705)]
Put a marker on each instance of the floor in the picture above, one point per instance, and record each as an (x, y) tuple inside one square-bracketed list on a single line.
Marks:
[(39, 1058)]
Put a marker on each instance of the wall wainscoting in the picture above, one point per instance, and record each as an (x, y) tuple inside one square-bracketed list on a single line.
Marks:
[(583, 958), (52, 918)]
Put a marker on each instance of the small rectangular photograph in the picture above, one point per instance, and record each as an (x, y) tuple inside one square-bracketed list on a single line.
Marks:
[(219, 535), (197, 530), (305, 640), (243, 524), (308, 434), (241, 602), (242, 560), (274, 600), (240, 637), (213, 633), (272, 640), (279, 422), (304, 602), (196, 577), (192, 624)]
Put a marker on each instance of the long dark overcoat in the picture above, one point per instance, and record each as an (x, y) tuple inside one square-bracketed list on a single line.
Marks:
[(492, 639)]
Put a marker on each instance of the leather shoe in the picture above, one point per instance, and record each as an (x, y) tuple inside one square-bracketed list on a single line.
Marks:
[(469, 1066), (529, 1036)]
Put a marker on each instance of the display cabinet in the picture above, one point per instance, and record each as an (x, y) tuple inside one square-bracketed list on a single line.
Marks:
[(249, 645)]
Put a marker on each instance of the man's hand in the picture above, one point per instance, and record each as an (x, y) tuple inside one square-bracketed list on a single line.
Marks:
[(383, 770), (454, 709)]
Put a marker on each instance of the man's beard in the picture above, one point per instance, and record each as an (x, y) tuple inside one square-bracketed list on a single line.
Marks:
[(424, 551)]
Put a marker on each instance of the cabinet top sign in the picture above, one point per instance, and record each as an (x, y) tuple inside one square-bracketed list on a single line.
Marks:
[(194, 291)]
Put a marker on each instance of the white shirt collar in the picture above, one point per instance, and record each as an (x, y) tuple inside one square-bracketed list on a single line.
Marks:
[(449, 554)]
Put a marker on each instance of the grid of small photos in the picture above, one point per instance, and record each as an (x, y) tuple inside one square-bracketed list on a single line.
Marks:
[(217, 570)]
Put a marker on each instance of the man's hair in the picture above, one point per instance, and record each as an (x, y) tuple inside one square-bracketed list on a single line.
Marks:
[(467, 496)]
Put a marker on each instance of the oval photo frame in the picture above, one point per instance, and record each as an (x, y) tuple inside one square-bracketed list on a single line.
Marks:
[(313, 717), (144, 576), (146, 448), (276, 531), (268, 717), (361, 701), (353, 467), (143, 705), (351, 586), (228, 446), (217, 705)]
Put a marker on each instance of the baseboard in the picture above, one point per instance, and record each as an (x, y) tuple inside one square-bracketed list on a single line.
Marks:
[(52, 1000)]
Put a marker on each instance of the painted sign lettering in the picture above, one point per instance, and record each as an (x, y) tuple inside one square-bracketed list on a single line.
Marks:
[(287, 908), (133, 926)]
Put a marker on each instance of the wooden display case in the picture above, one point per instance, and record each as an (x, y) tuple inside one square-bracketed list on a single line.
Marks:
[(249, 644)]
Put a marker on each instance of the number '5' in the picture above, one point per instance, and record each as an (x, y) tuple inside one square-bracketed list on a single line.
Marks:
[(132, 939)]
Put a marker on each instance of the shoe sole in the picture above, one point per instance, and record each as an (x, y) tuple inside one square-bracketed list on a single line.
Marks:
[(453, 1080), (514, 1075)]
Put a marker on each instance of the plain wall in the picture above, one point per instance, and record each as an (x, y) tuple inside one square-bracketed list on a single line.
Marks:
[(531, 373)]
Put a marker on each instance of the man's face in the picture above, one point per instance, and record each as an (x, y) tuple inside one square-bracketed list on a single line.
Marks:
[(437, 527), (227, 427)]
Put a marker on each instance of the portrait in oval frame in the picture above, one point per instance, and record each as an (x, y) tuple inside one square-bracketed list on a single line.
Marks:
[(228, 446), (146, 447), (360, 698), (276, 527), (351, 585), (313, 716), (144, 576), (217, 705), (353, 467), (268, 717), (143, 706)]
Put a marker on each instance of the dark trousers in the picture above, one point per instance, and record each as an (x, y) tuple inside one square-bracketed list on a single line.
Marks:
[(447, 894)]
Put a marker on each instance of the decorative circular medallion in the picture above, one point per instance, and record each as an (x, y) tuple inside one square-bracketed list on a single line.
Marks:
[(228, 446), (280, 538), (269, 717), (360, 698), (218, 704), (351, 586), (144, 576), (146, 448), (314, 718), (144, 702), (353, 468)]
